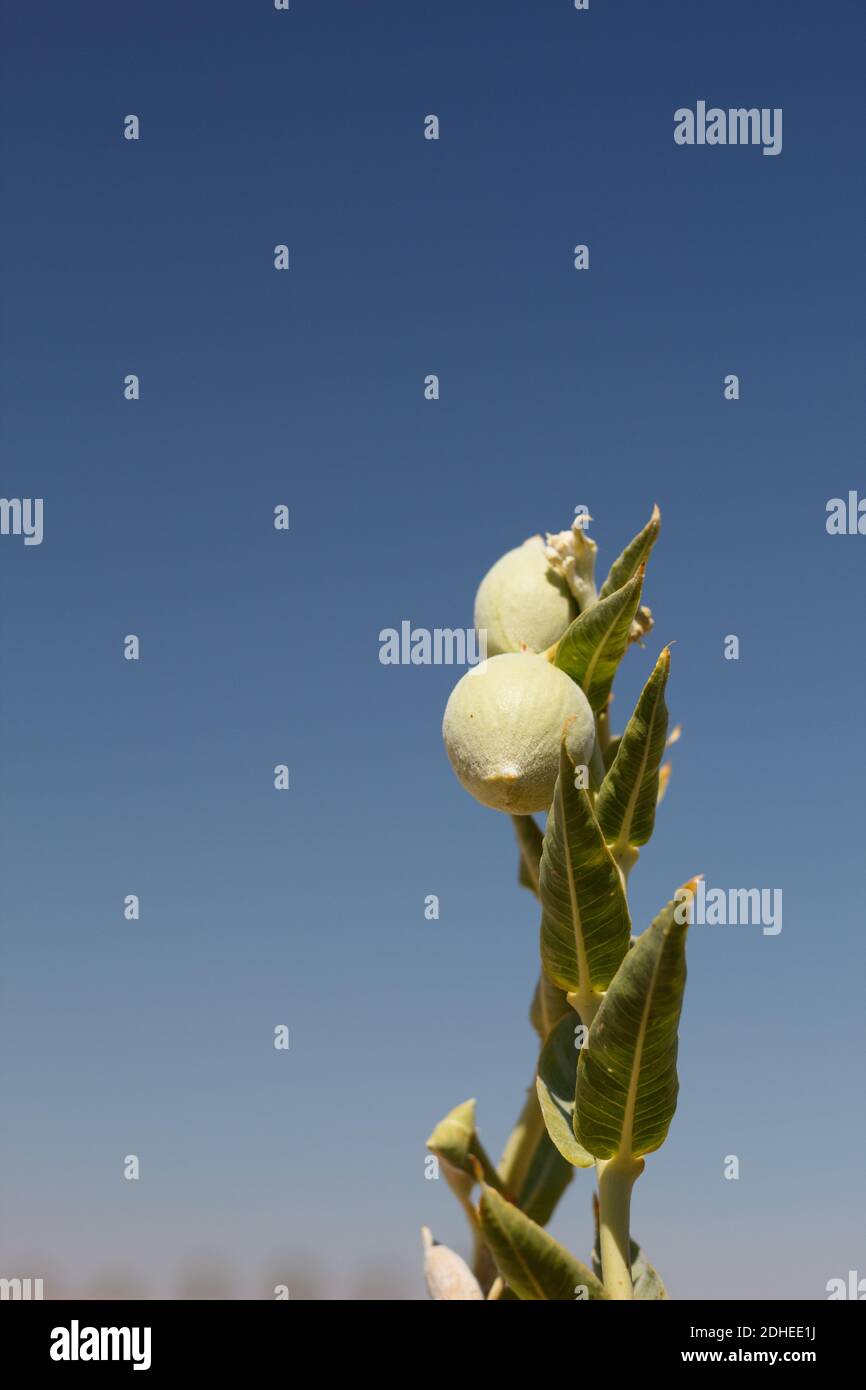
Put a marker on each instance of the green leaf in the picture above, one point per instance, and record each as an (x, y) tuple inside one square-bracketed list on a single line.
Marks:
[(635, 554), (611, 751), (646, 1281), (547, 1179), (531, 1262), (453, 1137), (556, 1083), (455, 1141), (626, 805), (529, 839), (592, 647), (549, 1005), (627, 1073), (585, 926)]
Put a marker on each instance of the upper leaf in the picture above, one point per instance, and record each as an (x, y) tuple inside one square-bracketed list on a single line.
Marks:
[(635, 554), (626, 804), (530, 1261), (556, 1082), (627, 1073), (592, 647), (585, 926)]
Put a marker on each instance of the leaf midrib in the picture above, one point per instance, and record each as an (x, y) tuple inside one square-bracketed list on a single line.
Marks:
[(596, 656), (583, 975), (515, 1250)]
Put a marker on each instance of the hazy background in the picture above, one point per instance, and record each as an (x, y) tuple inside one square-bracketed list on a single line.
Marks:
[(258, 647)]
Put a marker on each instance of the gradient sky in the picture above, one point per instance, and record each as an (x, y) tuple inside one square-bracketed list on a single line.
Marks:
[(306, 388)]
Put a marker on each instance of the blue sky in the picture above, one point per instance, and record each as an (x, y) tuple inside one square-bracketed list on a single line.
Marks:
[(306, 388)]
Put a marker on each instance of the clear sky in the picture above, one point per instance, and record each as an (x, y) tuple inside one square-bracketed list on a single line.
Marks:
[(305, 387)]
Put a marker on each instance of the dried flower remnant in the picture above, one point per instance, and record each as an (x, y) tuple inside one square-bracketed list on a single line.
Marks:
[(447, 1275)]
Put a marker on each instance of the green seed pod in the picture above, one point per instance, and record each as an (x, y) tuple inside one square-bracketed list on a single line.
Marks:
[(522, 603), (503, 726)]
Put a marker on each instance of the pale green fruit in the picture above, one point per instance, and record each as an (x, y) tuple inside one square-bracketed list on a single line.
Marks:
[(522, 602), (503, 727)]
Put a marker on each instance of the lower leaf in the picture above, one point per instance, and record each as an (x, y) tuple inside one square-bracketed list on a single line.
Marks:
[(534, 1265)]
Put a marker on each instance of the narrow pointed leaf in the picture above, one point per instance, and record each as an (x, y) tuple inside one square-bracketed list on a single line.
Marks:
[(529, 839), (626, 805), (593, 646), (453, 1137), (585, 926), (547, 1179), (556, 1083), (534, 1265), (455, 1141), (549, 1005), (635, 554), (611, 750), (627, 1074)]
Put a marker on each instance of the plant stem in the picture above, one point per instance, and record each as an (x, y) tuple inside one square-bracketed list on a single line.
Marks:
[(616, 1178), (585, 1004), (625, 858)]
